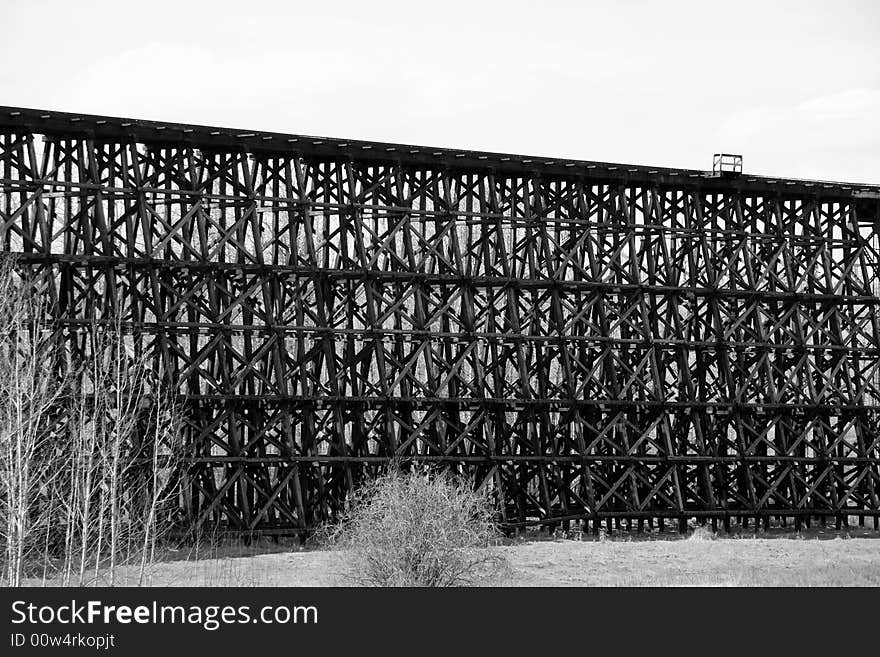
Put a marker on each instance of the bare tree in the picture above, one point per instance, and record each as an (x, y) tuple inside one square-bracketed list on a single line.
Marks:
[(126, 435), (89, 446), (30, 389)]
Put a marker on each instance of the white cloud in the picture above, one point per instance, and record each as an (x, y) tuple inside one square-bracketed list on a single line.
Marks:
[(146, 81), (829, 136), (656, 83)]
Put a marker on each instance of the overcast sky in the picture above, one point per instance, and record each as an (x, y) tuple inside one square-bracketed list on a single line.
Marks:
[(794, 86)]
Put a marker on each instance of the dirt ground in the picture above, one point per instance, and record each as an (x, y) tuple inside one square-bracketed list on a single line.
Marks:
[(792, 560)]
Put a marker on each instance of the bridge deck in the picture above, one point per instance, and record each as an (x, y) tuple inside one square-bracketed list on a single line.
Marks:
[(208, 137)]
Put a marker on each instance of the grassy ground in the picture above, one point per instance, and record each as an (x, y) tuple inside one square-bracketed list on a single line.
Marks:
[(819, 558)]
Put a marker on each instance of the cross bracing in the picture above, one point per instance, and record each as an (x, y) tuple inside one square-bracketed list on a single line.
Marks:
[(592, 341)]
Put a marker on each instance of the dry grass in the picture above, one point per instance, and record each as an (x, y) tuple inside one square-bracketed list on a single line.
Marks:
[(816, 559), (700, 562)]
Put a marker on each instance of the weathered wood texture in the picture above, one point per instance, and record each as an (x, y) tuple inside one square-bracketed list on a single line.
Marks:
[(592, 341)]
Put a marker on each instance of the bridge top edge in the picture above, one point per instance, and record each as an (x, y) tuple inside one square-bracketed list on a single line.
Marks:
[(56, 123)]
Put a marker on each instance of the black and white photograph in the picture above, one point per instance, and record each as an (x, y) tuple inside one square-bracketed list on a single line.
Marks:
[(481, 295)]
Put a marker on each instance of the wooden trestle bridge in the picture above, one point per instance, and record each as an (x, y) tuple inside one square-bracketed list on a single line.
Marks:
[(595, 342)]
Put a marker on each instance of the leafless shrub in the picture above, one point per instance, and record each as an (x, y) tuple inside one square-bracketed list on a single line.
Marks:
[(418, 528), (702, 533)]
